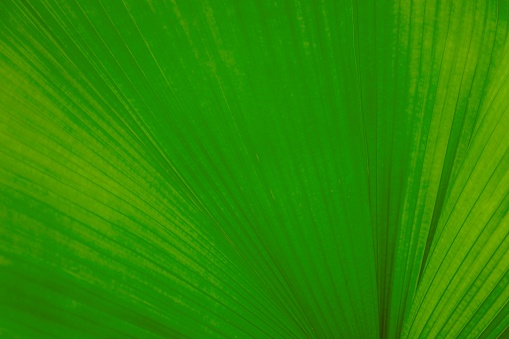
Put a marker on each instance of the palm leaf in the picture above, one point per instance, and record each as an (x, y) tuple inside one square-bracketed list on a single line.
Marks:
[(254, 169)]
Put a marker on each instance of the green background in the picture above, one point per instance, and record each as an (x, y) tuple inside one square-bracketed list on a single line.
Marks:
[(227, 168)]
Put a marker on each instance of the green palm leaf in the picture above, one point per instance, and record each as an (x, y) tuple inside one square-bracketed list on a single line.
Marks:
[(254, 169)]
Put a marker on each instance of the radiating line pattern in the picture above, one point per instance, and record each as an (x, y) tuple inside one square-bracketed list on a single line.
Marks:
[(267, 169)]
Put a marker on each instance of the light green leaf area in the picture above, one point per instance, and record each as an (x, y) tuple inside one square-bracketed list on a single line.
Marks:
[(267, 169)]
